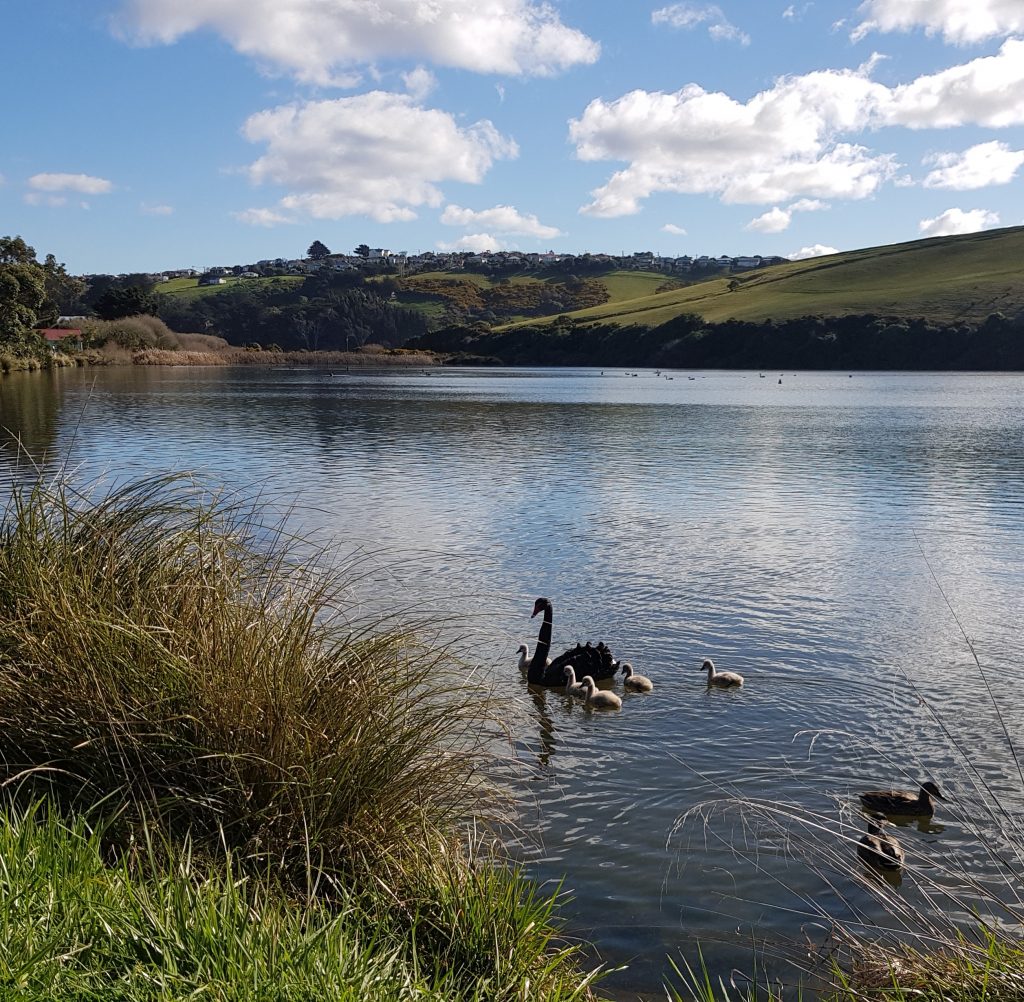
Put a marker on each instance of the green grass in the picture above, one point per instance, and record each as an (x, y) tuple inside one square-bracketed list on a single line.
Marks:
[(189, 288), (164, 923), (172, 672), (944, 278)]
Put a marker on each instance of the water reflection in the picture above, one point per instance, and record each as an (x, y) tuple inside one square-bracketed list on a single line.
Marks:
[(796, 534)]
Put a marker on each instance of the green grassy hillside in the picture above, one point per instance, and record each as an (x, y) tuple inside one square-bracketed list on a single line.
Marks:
[(944, 278), (188, 288)]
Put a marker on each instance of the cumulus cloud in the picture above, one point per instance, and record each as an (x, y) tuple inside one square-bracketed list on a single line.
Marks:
[(978, 167), (322, 41), (786, 142), (156, 210), (954, 221), (84, 184), (419, 82), (500, 219), (475, 242), (376, 154), (958, 21), (809, 205), (775, 220), (815, 250), (677, 231), (689, 15)]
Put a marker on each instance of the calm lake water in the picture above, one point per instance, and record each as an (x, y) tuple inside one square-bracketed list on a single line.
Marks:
[(817, 535)]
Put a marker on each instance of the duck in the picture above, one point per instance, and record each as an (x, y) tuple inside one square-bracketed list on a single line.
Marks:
[(633, 682), (524, 657), (901, 802), (598, 699), (721, 679), (572, 687), (879, 849)]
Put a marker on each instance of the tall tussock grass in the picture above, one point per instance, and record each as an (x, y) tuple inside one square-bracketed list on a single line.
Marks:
[(163, 655), (216, 777)]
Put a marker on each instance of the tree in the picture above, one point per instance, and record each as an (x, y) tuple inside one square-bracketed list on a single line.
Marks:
[(22, 292), (363, 250), (64, 292), (318, 251), (130, 302)]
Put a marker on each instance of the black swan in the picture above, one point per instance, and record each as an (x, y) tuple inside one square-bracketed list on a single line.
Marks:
[(597, 662), (902, 803)]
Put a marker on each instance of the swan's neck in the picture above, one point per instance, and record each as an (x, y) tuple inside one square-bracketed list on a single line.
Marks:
[(540, 652), (711, 671), (570, 674)]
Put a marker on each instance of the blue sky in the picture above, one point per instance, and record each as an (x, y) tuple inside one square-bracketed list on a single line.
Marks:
[(152, 134)]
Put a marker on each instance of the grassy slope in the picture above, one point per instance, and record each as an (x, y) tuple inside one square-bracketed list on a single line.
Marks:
[(946, 278), (188, 288)]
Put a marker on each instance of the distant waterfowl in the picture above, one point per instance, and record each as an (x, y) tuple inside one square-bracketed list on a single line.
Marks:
[(721, 679), (902, 803), (524, 657), (572, 687), (595, 661), (634, 682), (878, 848), (598, 698)]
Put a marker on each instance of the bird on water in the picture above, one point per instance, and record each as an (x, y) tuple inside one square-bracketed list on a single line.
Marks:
[(921, 804), (878, 848), (634, 682), (721, 679), (587, 659), (598, 699)]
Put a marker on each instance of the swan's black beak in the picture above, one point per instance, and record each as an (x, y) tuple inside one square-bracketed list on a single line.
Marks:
[(539, 606)]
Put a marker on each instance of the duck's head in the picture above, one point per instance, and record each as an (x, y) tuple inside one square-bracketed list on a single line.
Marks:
[(931, 788), (539, 606), (876, 821)]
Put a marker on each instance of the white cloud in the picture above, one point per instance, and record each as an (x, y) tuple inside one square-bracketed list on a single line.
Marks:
[(156, 210), (500, 219), (809, 205), (815, 250), (775, 220), (954, 221), (37, 198), (419, 82), (689, 15), (958, 21), (978, 167), (475, 242), (82, 183), (321, 41), (786, 142), (677, 231), (986, 91), (261, 217), (376, 154)]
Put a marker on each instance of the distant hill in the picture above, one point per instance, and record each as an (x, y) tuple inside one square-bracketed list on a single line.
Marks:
[(945, 279)]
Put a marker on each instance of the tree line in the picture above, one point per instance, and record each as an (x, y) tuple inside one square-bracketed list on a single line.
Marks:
[(865, 341)]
